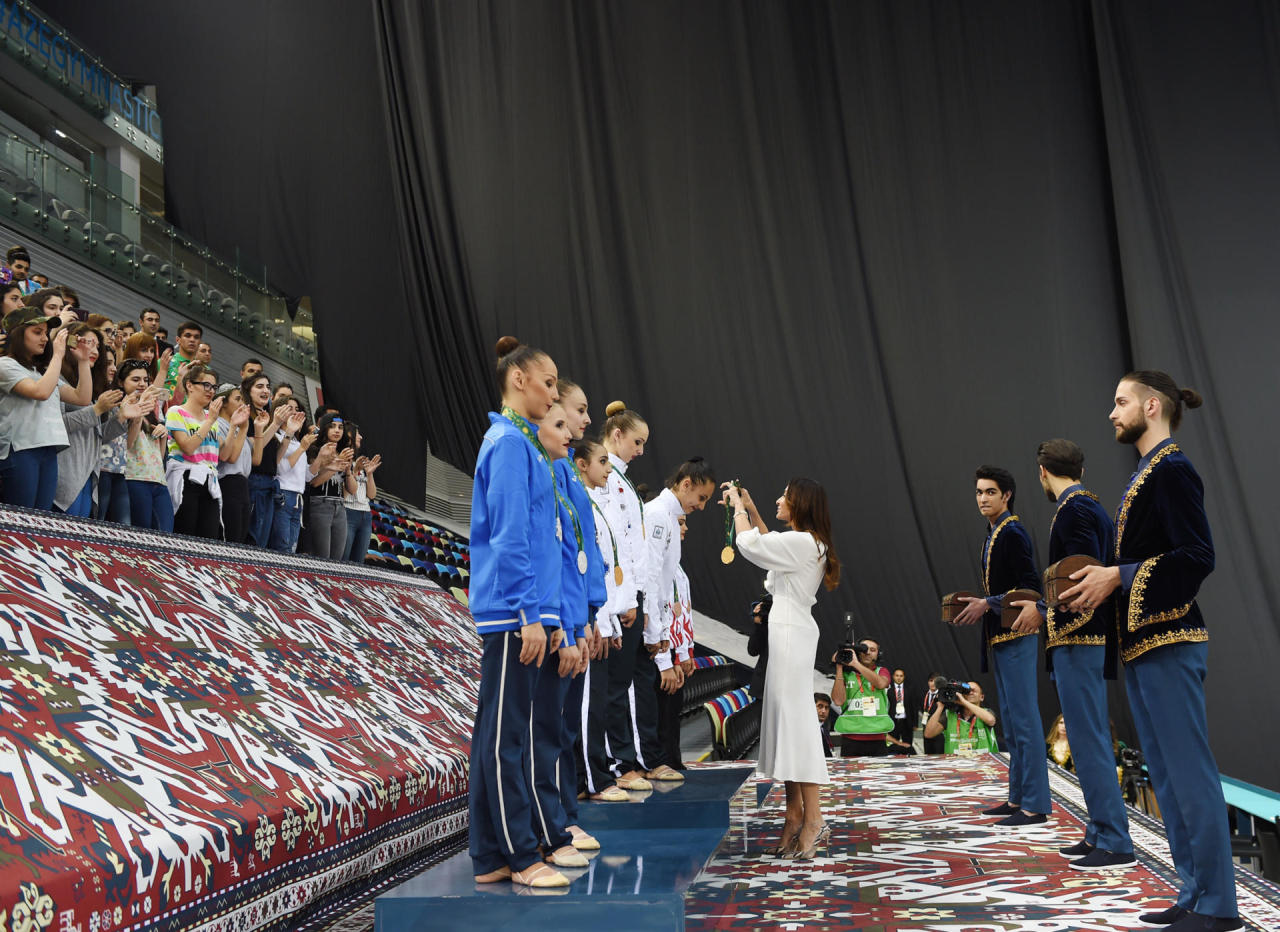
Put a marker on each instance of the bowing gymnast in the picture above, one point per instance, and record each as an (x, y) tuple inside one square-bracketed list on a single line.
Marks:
[(1163, 553)]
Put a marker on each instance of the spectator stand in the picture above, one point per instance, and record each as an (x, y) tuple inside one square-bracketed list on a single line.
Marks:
[(401, 542), (735, 723)]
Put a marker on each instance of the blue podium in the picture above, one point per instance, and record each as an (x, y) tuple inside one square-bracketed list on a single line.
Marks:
[(652, 849)]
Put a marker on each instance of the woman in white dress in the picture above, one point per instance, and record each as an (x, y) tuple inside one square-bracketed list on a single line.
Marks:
[(798, 561)]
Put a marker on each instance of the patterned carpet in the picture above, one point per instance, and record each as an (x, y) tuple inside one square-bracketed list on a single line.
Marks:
[(910, 852), (196, 736)]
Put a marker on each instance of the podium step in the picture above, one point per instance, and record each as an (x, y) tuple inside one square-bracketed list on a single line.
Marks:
[(652, 849)]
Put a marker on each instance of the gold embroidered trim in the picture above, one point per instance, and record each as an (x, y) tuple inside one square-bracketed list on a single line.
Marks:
[(1005, 636), (1122, 514), (1084, 492), (1084, 640), (1137, 595), (1184, 636), (986, 555), (1056, 633)]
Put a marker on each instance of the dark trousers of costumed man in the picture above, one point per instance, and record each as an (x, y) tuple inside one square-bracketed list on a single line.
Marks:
[(1164, 551), (1008, 563), (1080, 661)]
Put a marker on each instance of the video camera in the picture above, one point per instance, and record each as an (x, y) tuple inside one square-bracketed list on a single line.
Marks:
[(950, 691), (850, 647)]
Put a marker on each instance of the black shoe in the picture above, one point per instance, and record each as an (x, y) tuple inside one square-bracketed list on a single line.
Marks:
[(1021, 819), (1194, 922), (1002, 809), (1078, 850), (1164, 917), (1099, 860)]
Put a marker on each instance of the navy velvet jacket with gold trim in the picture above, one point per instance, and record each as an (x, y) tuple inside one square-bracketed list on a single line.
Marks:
[(1081, 528), (1008, 562), (1164, 551)]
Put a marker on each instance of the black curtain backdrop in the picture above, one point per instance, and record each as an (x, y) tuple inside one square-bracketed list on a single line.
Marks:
[(874, 243)]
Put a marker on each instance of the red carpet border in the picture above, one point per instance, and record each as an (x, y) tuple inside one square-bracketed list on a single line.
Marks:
[(195, 736), (910, 851)]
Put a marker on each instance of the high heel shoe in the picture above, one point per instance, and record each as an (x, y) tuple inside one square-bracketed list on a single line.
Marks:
[(821, 840), (787, 847)]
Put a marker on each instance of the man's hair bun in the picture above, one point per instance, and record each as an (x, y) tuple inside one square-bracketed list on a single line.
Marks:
[(1190, 397), (615, 407), (506, 345)]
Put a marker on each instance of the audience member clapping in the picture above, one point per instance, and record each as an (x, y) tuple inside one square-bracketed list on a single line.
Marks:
[(326, 485), (361, 489), (82, 413), (267, 424), (31, 428), (192, 470), (235, 454), (113, 493), (149, 503), (291, 473)]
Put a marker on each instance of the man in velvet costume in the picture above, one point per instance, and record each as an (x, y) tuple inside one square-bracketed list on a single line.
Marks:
[(1080, 655), (1008, 563), (1163, 553)]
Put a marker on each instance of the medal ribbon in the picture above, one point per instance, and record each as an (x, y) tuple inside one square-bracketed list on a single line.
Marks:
[(632, 485), (729, 530), (612, 540), (525, 428)]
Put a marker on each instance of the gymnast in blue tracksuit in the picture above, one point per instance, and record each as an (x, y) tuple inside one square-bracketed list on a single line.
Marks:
[(515, 601), (547, 770)]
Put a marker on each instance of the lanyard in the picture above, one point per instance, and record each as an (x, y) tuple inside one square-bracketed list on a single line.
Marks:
[(632, 486), (524, 427), (613, 541), (973, 723)]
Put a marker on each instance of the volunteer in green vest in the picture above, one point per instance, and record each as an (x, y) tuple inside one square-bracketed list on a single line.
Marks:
[(860, 691), (967, 727)]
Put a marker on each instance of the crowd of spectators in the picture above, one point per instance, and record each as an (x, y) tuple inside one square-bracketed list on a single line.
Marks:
[(104, 418)]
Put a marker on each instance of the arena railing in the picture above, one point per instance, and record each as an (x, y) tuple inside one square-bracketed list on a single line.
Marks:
[(88, 213)]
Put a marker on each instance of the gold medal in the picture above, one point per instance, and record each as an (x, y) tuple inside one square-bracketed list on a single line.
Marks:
[(617, 575), (726, 556)]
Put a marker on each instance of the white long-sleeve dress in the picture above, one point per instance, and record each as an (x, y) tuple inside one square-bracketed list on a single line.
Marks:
[(790, 741)]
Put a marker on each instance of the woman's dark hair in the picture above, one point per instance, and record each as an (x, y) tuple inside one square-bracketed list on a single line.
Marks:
[(15, 345), (807, 502), (1172, 398), (248, 384), (322, 438), (99, 371), (586, 449), (512, 354), (1001, 477), (619, 417), (1061, 458), (696, 470), (38, 298), (69, 295)]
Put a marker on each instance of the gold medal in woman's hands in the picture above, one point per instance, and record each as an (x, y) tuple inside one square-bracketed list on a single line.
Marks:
[(617, 576), (726, 556)]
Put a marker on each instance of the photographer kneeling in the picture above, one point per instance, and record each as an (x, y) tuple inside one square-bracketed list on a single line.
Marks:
[(860, 691), (969, 727)]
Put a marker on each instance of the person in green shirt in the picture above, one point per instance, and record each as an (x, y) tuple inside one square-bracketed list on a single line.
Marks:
[(860, 690), (967, 726), (189, 336)]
